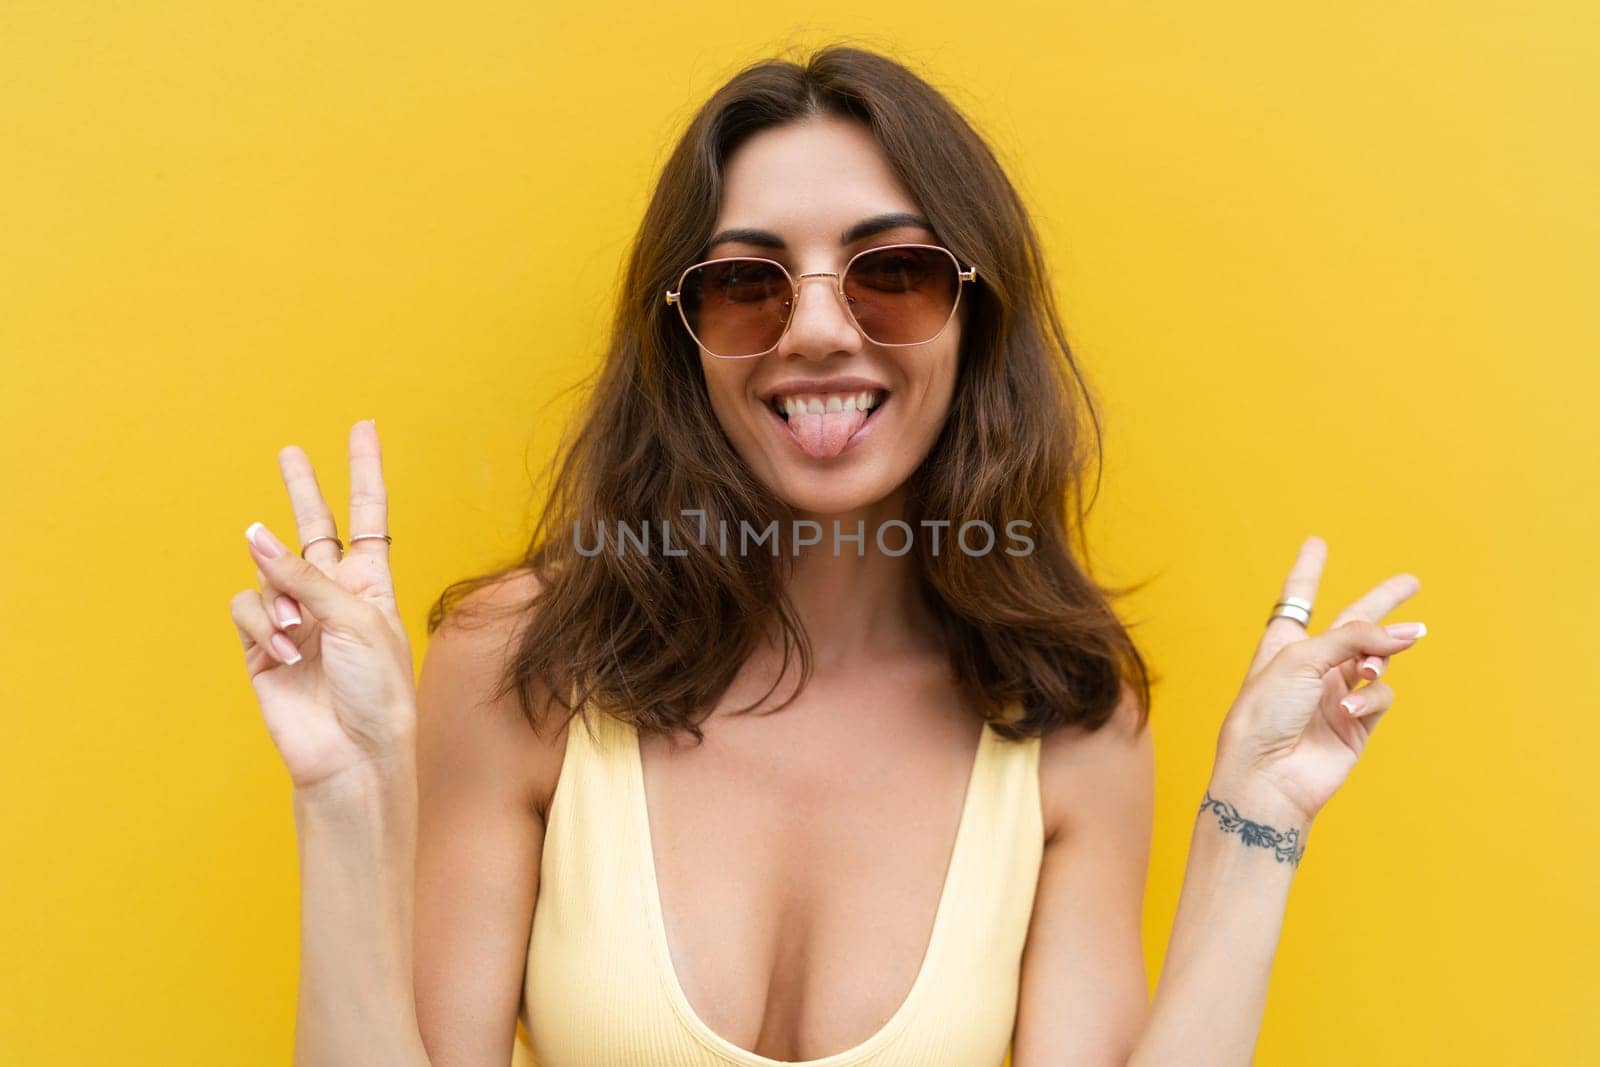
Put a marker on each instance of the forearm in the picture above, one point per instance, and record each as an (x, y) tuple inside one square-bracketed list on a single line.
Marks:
[(1213, 987), (357, 848)]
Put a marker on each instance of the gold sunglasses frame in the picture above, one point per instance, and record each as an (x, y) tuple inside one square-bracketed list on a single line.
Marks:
[(963, 276)]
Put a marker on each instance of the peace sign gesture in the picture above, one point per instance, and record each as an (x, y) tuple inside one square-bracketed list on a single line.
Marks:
[(323, 642), (1299, 722)]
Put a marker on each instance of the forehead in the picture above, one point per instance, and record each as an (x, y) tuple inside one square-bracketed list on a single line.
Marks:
[(819, 175)]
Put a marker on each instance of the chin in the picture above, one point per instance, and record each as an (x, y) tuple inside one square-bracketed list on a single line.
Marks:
[(832, 492)]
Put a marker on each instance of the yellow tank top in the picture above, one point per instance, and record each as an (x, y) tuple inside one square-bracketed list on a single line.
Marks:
[(600, 988)]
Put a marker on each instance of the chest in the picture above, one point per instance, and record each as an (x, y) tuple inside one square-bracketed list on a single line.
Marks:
[(799, 866), (857, 882)]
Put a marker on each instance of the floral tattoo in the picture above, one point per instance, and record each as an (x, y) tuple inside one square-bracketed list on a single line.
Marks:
[(1286, 845)]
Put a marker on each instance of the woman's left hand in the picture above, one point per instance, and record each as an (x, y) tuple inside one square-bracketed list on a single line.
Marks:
[(1292, 729)]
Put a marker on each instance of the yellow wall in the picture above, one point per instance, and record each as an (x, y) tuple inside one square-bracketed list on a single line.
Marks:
[(1332, 267)]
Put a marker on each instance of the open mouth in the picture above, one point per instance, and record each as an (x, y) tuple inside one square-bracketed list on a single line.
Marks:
[(823, 425)]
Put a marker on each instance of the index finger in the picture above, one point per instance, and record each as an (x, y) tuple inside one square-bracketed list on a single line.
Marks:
[(1321, 654), (1381, 599), (1378, 602), (312, 516), (369, 497)]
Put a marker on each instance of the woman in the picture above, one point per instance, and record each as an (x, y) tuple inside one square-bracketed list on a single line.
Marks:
[(836, 343)]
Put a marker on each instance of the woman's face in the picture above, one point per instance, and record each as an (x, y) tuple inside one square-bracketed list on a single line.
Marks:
[(804, 185)]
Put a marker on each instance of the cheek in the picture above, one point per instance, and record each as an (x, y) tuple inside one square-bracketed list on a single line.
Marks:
[(726, 386), (945, 380), (939, 387)]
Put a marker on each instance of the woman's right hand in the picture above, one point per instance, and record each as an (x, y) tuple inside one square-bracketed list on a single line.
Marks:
[(337, 687)]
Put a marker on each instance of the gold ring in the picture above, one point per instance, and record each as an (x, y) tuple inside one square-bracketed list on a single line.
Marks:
[(321, 537)]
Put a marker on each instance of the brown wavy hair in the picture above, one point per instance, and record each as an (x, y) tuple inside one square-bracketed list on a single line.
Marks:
[(657, 638)]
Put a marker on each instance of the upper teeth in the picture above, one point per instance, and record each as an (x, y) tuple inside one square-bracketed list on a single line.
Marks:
[(825, 403)]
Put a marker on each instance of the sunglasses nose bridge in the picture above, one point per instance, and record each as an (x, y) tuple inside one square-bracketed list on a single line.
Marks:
[(837, 286), (838, 291)]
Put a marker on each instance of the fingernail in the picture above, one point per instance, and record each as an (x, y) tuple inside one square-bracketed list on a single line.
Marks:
[(1406, 630), (1373, 664), (258, 535), (1351, 704), (288, 617), (284, 648)]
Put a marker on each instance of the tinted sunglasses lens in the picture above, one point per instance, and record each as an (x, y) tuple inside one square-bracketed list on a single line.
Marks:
[(736, 307), (902, 295)]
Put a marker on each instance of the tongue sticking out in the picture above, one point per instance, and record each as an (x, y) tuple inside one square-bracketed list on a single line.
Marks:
[(824, 436)]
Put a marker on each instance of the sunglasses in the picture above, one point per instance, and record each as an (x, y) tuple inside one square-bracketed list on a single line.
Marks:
[(740, 306)]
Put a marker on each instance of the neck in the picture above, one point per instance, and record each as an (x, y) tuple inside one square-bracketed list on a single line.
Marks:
[(856, 607)]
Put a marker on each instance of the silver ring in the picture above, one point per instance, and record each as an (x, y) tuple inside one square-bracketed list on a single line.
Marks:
[(1292, 607), (385, 538)]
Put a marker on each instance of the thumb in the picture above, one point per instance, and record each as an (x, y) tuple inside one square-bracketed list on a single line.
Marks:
[(1358, 637), (334, 607)]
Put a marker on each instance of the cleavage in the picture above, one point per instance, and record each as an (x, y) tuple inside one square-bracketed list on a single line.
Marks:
[(798, 882)]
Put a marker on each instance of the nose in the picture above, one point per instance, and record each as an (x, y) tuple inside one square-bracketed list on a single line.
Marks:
[(819, 324)]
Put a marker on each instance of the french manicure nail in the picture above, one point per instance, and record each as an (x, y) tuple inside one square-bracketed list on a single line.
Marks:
[(284, 648), (288, 618), (1373, 664), (1406, 630), (1351, 704), (259, 536)]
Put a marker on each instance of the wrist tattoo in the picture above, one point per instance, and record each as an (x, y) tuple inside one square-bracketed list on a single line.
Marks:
[(1286, 845)]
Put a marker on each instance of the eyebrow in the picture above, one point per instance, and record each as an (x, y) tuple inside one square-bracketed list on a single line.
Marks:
[(865, 228)]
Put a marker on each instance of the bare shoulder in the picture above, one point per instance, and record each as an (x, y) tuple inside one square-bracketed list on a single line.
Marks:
[(1084, 994), (1104, 773), (462, 725), (481, 773)]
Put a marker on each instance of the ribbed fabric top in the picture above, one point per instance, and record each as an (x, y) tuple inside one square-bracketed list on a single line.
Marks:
[(600, 988)]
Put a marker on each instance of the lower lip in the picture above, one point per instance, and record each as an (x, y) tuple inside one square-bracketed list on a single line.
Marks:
[(855, 439)]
